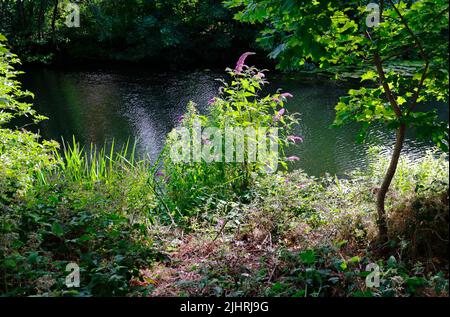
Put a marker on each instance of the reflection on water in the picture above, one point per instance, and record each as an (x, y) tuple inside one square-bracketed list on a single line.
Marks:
[(104, 105)]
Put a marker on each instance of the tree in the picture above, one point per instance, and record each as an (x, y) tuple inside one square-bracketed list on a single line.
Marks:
[(404, 59), (130, 30)]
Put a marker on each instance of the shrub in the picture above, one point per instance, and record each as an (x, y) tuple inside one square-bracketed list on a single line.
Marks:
[(22, 155), (92, 210), (238, 106)]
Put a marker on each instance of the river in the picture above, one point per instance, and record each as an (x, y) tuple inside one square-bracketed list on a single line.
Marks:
[(98, 106)]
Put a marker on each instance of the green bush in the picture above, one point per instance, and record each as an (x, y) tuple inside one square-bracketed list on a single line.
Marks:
[(238, 106), (91, 210), (22, 155)]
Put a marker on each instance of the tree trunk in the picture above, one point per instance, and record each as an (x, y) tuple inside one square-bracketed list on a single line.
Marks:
[(41, 17), (21, 12), (381, 196), (53, 25)]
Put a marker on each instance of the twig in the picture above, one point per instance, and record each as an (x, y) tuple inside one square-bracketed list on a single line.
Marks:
[(221, 229), (414, 36)]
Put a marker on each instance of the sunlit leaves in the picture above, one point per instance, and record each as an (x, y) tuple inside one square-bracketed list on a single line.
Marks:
[(21, 153), (369, 75), (332, 35)]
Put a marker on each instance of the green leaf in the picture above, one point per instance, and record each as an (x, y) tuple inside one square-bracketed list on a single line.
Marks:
[(414, 283), (32, 258), (10, 263), (400, 100), (57, 229), (308, 257), (370, 75), (392, 262)]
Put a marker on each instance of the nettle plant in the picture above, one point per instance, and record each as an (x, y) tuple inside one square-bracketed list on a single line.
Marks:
[(403, 59), (244, 134)]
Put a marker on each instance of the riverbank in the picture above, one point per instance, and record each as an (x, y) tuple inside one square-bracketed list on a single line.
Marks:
[(291, 235), (100, 221)]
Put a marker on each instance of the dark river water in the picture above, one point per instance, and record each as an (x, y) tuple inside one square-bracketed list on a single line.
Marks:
[(99, 106)]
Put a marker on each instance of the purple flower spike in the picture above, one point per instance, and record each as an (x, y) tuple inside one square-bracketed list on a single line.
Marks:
[(160, 174), (283, 96), (180, 119), (241, 62), (277, 117), (287, 95), (292, 158), (212, 101), (295, 139), (260, 75)]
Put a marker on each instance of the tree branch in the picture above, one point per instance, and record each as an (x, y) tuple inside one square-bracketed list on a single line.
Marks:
[(422, 54), (389, 94), (414, 36), (419, 87), (382, 79)]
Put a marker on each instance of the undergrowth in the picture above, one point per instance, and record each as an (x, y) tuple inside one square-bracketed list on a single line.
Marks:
[(141, 228), (302, 236)]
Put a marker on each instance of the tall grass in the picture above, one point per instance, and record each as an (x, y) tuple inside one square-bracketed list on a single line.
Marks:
[(75, 163), (413, 174), (120, 171)]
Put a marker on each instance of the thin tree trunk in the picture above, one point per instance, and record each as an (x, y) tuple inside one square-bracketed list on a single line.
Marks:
[(21, 12), (55, 16), (400, 138), (2, 12), (41, 17), (381, 196)]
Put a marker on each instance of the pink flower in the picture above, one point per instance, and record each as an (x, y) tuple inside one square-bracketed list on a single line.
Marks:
[(292, 158), (180, 119), (286, 95), (294, 138), (241, 62), (283, 96), (260, 75), (277, 117), (212, 101)]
